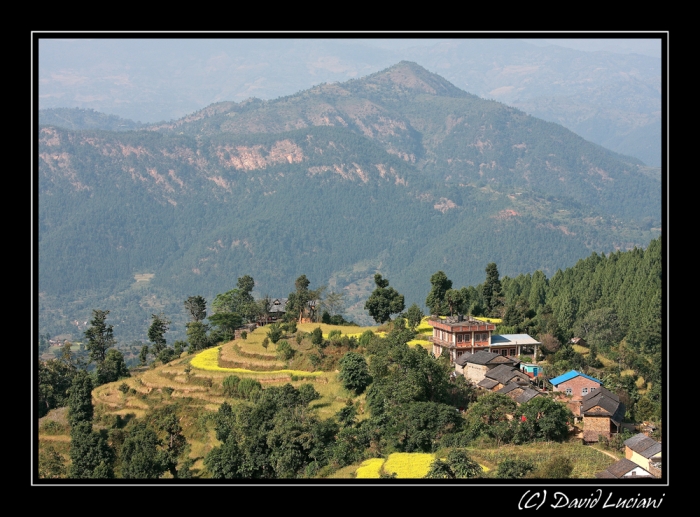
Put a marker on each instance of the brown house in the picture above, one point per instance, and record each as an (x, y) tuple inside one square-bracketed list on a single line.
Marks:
[(602, 414), (503, 374), (459, 335)]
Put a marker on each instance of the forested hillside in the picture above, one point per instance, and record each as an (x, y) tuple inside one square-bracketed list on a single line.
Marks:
[(398, 173)]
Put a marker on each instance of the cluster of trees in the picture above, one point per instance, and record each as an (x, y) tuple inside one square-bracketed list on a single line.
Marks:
[(55, 376)]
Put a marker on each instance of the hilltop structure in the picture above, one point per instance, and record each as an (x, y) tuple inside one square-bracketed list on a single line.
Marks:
[(459, 335)]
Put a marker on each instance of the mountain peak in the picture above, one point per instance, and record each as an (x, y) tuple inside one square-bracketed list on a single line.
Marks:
[(407, 75)]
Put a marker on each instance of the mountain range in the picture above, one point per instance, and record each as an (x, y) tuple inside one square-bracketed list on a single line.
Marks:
[(399, 172)]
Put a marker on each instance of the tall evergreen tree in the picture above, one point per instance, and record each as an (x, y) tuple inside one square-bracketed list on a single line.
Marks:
[(100, 337), (156, 332), (436, 298), (491, 289)]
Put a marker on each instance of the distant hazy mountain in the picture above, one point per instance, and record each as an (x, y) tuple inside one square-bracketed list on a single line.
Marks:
[(77, 118), (612, 99), (399, 172)]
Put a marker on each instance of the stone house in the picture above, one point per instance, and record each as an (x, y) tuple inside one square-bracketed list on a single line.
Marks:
[(602, 414), (576, 384), (645, 452), (503, 374), (474, 366)]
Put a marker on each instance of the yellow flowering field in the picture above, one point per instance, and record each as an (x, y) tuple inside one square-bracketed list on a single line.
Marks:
[(209, 360), (489, 320), (421, 342), (409, 465), (370, 469)]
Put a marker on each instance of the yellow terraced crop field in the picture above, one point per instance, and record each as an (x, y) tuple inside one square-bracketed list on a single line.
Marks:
[(370, 469), (408, 465), (209, 360)]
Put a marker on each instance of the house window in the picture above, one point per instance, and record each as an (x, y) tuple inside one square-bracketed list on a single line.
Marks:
[(459, 338), (568, 391), (592, 390), (584, 391)]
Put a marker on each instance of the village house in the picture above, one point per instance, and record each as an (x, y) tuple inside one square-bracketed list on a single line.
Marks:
[(461, 335), (519, 393), (474, 366), (503, 374), (602, 414), (623, 469), (576, 384), (578, 341), (645, 452)]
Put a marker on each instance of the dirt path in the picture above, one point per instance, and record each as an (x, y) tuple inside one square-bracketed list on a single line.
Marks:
[(613, 456)]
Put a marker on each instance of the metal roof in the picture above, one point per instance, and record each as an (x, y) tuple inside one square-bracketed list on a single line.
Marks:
[(513, 339), (625, 466), (570, 375), (643, 445)]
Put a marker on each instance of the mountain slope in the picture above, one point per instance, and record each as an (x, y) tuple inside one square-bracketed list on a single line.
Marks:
[(399, 172)]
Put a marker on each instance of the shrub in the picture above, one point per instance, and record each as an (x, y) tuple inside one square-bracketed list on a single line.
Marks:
[(124, 388), (514, 468), (366, 337), (317, 337), (248, 388), (285, 351), (244, 335), (230, 385)]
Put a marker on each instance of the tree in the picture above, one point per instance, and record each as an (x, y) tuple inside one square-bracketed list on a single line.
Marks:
[(143, 355), (197, 307), (91, 456), (139, 455), (334, 303), (436, 298), (197, 335), (156, 332), (414, 316), (545, 419), (80, 399), (354, 372), (384, 301), (453, 299), (491, 290), (227, 323), (298, 301), (99, 337), (55, 379), (275, 333), (112, 368)]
